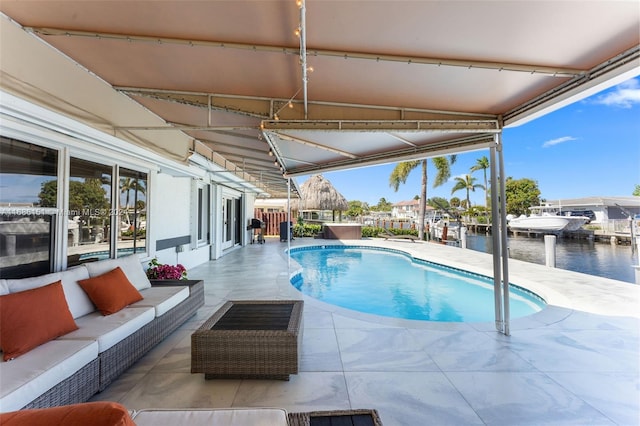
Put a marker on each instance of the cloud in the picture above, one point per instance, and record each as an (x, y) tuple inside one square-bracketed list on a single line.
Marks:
[(557, 141), (461, 176), (624, 95)]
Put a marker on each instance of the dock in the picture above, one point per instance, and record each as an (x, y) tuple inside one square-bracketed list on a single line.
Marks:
[(620, 238)]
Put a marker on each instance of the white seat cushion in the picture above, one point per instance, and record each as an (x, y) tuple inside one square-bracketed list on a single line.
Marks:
[(226, 417), (4, 288), (111, 329), (130, 265), (78, 301), (28, 376), (162, 299)]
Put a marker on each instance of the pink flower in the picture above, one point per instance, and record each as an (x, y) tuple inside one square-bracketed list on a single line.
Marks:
[(159, 271)]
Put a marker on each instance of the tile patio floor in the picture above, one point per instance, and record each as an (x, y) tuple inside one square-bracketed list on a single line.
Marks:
[(576, 362)]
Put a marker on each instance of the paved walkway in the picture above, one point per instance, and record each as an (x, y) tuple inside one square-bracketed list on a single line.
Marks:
[(576, 362)]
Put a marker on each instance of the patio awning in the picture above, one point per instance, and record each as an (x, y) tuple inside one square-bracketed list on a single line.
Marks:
[(391, 80)]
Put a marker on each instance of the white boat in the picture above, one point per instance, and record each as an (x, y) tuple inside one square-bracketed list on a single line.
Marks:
[(575, 222), (453, 229), (546, 219)]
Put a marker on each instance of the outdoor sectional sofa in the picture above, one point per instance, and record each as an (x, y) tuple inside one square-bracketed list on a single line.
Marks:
[(76, 365)]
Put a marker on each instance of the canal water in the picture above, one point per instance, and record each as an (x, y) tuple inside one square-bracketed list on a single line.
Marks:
[(589, 257)]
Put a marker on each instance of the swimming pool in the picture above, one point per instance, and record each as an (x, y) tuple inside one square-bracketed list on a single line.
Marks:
[(392, 283)]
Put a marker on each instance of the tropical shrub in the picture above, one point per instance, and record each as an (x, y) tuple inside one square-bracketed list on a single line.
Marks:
[(306, 230), (372, 231)]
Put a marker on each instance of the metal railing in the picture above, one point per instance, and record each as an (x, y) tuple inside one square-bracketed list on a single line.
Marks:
[(614, 226)]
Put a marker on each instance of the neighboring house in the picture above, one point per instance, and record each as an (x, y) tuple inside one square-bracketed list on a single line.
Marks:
[(410, 210), (610, 213), (406, 209)]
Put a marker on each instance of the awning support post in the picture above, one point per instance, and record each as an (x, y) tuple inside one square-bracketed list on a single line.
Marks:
[(289, 220), (495, 235), (504, 241)]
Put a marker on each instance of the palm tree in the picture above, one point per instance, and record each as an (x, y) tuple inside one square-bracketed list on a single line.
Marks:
[(443, 166), (467, 183), (400, 174), (127, 185), (483, 164), (402, 170)]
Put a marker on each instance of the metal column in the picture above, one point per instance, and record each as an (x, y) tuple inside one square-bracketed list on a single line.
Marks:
[(289, 220), (504, 249), (495, 235)]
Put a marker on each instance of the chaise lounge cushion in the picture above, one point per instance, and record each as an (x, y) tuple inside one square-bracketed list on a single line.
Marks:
[(34, 373), (226, 417), (111, 291), (130, 265), (162, 299), (110, 330), (89, 413), (32, 317)]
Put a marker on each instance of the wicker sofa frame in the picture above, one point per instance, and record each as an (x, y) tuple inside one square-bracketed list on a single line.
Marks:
[(117, 359), (98, 374), (78, 388)]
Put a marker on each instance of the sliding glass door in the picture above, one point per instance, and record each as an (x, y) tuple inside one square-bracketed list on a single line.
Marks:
[(231, 221)]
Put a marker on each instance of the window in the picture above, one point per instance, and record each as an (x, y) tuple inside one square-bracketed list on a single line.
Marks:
[(28, 208), (238, 221), (89, 211), (203, 214), (93, 212), (33, 218), (24, 169), (132, 211)]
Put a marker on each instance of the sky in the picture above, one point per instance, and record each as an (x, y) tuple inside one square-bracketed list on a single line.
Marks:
[(589, 148)]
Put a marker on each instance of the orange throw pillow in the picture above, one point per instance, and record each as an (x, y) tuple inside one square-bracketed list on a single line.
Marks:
[(32, 317), (110, 292), (88, 413)]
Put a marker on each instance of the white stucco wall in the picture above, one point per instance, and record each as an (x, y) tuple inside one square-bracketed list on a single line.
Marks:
[(171, 206)]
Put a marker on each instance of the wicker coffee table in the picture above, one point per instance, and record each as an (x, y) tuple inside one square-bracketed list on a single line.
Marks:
[(249, 339)]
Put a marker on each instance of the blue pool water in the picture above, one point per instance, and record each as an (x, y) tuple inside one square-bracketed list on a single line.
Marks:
[(101, 255), (391, 283)]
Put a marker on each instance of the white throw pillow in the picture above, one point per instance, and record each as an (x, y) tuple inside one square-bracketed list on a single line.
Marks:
[(130, 265)]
